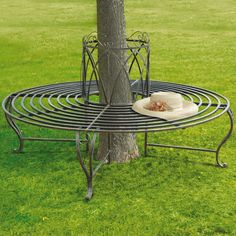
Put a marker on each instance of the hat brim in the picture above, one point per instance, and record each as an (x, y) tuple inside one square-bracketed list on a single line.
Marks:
[(188, 109)]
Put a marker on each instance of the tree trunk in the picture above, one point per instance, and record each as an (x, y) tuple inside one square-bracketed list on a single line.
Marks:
[(113, 73)]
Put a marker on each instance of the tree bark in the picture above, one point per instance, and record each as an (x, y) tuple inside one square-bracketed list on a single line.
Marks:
[(113, 72)]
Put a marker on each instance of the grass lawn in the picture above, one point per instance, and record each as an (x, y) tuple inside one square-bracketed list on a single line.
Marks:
[(171, 192)]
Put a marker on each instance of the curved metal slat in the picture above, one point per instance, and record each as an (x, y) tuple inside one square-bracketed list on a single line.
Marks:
[(58, 106)]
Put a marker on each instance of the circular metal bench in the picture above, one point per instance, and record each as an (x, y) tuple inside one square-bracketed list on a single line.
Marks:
[(75, 106), (60, 106)]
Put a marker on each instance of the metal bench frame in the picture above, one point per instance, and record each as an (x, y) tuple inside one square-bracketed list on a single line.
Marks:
[(68, 106)]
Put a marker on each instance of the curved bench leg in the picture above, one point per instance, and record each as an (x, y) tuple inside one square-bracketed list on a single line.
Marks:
[(218, 162), (15, 128), (89, 171), (87, 142)]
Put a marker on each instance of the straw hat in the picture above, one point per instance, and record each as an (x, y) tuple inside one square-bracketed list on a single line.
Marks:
[(165, 105)]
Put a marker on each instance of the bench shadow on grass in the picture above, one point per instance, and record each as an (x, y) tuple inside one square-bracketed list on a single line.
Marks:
[(42, 152), (185, 159)]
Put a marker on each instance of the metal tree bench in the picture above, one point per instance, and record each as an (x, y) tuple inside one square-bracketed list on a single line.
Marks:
[(68, 106)]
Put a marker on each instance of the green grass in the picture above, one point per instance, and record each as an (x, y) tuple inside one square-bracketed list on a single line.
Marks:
[(171, 192)]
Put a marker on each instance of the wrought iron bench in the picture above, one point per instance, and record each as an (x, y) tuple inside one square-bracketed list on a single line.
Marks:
[(68, 106)]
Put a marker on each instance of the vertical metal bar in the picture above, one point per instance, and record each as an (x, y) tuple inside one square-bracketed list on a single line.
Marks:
[(109, 148), (218, 162), (145, 143), (148, 73), (90, 178), (79, 156), (14, 126), (87, 142), (83, 71), (86, 172)]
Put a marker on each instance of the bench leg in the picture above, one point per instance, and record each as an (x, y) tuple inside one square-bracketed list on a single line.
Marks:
[(15, 128), (89, 171), (218, 162), (216, 151), (145, 143)]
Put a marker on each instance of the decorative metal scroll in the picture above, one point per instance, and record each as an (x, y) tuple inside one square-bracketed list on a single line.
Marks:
[(135, 67)]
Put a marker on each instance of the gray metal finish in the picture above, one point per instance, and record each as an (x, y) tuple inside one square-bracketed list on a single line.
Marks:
[(217, 150), (58, 106), (76, 106)]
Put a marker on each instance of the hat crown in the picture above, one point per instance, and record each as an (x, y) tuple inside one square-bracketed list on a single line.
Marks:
[(173, 100)]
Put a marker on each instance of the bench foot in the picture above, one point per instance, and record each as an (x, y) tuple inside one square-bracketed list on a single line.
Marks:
[(20, 147), (89, 193), (222, 165)]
